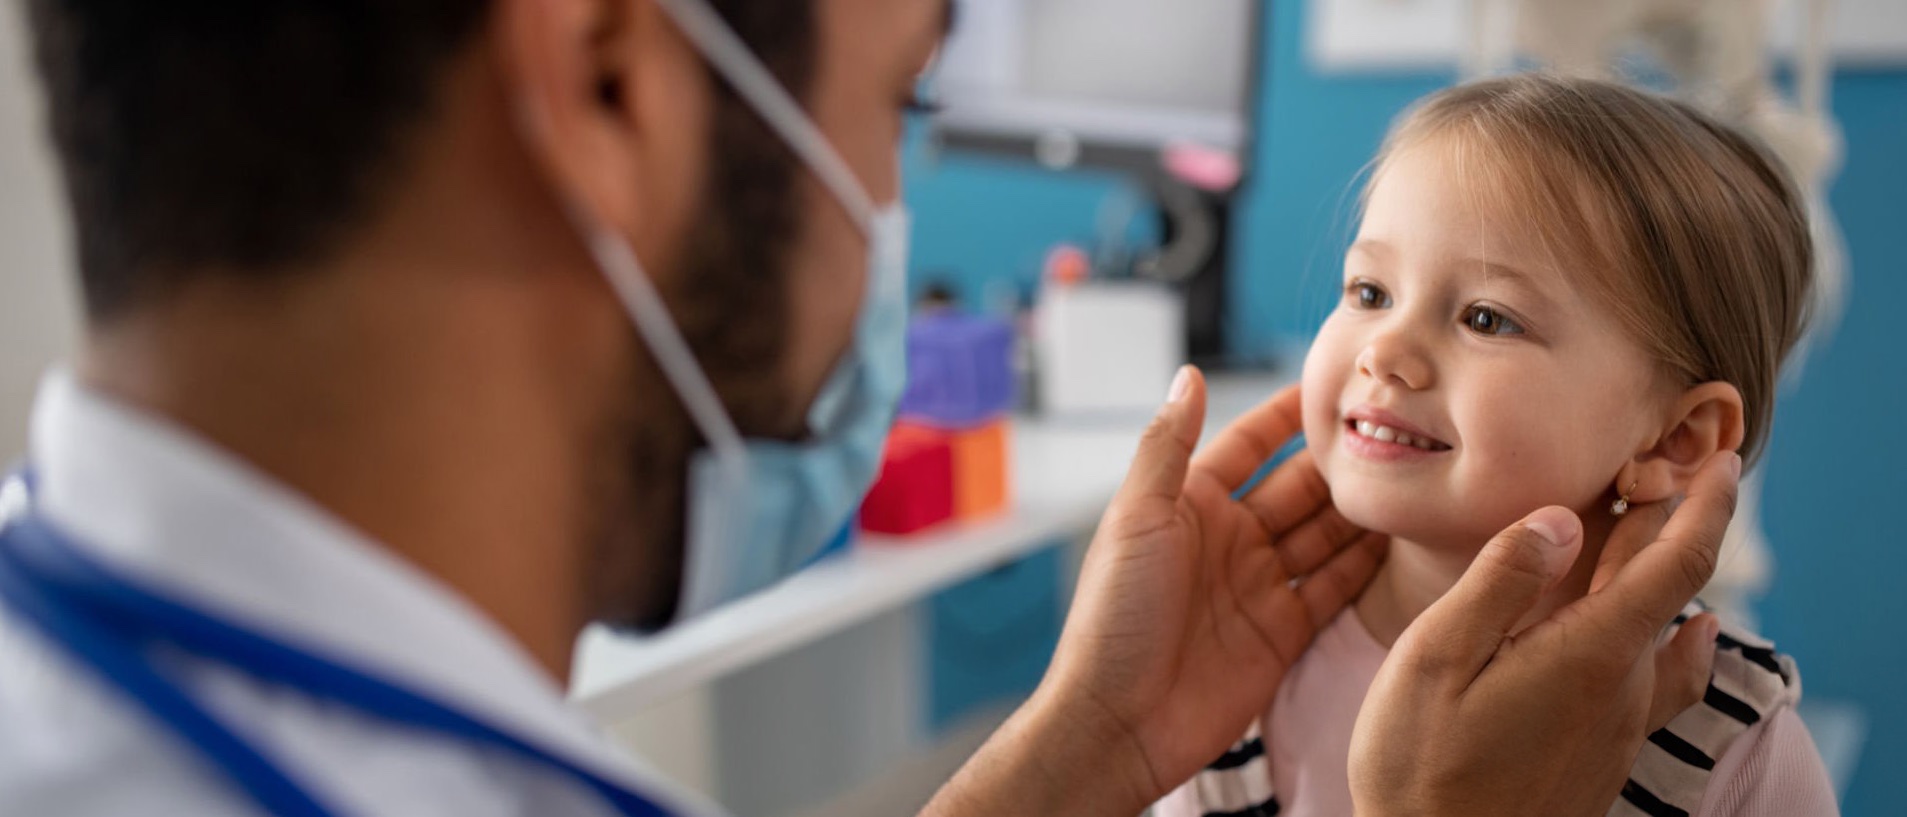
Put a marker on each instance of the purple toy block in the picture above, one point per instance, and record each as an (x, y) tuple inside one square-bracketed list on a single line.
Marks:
[(959, 369)]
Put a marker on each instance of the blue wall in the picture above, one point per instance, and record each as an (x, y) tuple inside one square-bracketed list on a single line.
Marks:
[(1834, 468), (1833, 478)]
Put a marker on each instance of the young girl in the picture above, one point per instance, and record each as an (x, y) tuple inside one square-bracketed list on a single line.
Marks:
[(1562, 292)]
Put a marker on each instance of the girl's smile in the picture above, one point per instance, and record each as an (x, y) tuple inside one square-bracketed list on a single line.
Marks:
[(1382, 436)]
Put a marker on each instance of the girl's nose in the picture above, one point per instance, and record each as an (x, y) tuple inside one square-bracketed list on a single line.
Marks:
[(1393, 358)]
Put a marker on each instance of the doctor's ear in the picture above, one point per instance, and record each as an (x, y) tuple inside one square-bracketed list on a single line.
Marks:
[(613, 103), (1703, 420)]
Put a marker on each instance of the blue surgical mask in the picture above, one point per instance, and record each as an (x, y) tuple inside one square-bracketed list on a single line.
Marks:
[(760, 509)]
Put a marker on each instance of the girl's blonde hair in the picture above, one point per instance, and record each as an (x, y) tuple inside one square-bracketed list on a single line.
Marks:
[(1689, 230)]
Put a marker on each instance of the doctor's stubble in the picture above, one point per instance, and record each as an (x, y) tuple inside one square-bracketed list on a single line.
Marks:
[(729, 297)]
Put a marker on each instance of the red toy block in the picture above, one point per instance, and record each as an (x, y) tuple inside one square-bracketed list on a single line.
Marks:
[(916, 487)]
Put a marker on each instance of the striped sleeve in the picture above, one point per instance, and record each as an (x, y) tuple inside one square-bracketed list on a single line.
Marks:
[(1236, 784), (1750, 683)]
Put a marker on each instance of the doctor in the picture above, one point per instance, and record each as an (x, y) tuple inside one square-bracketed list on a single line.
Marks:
[(422, 334)]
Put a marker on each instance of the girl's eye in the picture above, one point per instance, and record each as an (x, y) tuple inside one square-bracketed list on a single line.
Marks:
[(1368, 295), (1486, 321)]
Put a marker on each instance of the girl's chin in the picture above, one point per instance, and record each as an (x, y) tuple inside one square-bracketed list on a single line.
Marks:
[(1427, 513), (1428, 526)]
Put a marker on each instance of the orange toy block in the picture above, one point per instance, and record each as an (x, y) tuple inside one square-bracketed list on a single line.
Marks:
[(981, 467)]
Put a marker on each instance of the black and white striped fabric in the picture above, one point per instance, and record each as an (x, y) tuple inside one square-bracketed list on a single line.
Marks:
[(1238, 784), (1749, 682)]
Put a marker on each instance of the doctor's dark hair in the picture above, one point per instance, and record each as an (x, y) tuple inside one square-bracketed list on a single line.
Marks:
[(248, 137), (1688, 230)]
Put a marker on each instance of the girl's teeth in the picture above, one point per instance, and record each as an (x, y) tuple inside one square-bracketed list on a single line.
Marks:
[(1386, 434)]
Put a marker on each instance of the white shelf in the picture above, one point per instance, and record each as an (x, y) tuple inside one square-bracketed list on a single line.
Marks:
[(1064, 474)]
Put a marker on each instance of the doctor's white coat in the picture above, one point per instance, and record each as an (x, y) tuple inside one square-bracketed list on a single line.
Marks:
[(158, 504)]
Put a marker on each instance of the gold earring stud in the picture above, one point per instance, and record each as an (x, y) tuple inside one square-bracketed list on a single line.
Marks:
[(1621, 505)]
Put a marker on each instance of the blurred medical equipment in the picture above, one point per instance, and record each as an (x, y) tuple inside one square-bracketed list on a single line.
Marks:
[(1719, 55), (1105, 346), (1158, 90)]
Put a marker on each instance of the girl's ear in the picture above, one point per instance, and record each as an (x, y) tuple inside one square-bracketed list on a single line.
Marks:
[(1704, 420)]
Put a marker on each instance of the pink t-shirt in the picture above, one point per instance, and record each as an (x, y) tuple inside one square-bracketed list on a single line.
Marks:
[(1770, 770)]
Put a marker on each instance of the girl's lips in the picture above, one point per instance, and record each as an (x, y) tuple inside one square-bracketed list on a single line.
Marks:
[(1380, 450), (1375, 434), (1385, 426)]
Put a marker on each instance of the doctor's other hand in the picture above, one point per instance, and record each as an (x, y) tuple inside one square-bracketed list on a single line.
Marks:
[(1191, 605), (1547, 720)]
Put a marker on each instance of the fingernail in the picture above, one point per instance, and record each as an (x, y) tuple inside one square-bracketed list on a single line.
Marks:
[(1734, 464), (1555, 525), (1181, 383), (1711, 628)]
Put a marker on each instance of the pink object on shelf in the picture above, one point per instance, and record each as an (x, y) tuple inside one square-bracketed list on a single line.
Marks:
[(1202, 167), (1067, 264)]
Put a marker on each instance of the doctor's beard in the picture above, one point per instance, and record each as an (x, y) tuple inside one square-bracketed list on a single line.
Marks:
[(730, 301)]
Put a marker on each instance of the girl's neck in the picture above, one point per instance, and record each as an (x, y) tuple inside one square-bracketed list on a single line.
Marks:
[(1415, 575)]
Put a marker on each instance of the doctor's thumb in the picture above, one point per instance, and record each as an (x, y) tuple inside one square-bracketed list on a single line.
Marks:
[(1165, 450), (1504, 583)]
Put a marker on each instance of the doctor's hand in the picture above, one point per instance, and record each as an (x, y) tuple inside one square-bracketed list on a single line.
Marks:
[(1547, 720), (1190, 608)]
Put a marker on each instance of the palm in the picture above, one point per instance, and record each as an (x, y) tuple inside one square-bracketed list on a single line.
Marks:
[(1199, 619)]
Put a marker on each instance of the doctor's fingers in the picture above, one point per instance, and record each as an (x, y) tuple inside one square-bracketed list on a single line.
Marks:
[(1453, 639), (1253, 439), (1289, 495), (1288, 612), (1682, 669), (1160, 465), (1647, 592), (1305, 547), (1330, 588), (1633, 533)]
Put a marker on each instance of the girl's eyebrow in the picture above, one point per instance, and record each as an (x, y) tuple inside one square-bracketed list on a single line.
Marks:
[(1488, 271), (1494, 271), (1370, 246), (1497, 269)]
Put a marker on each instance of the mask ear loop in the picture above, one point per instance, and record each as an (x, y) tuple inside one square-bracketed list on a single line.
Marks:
[(618, 263), (671, 352), (745, 73), (619, 266), (658, 330)]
